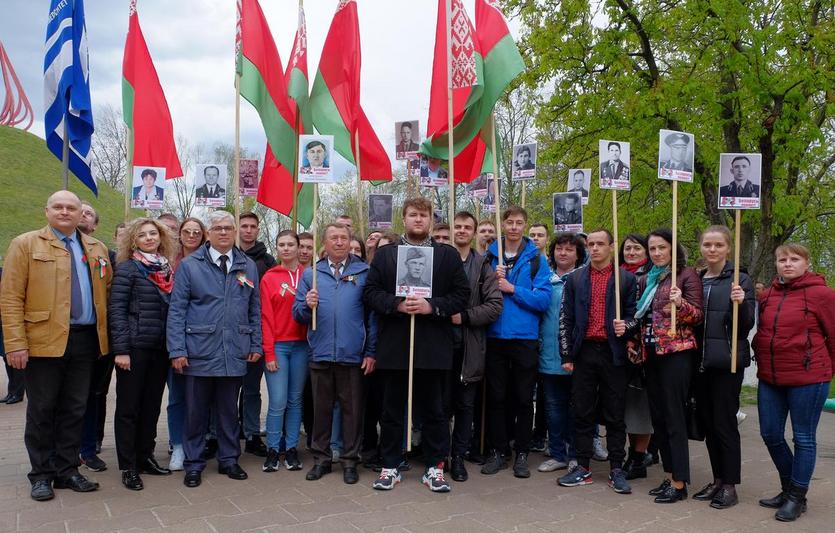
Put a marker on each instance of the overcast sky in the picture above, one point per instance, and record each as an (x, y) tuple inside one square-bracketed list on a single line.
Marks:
[(192, 44)]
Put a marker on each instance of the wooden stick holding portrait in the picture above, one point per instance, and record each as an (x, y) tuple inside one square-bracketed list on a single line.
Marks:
[(614, 175)]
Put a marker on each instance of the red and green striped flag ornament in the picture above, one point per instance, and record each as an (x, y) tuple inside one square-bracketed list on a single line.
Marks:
[(144, 108), (484, 62), (276, 187), (335, 98)]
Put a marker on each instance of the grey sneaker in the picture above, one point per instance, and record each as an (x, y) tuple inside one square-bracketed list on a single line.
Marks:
[(494, 463), (575, 477), (389, 477), (434, 479), (600, 453), (551, 465), (617, 480), (520, 466)]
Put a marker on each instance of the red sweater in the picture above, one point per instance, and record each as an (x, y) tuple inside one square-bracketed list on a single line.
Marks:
[(795, 340), (278, 292)]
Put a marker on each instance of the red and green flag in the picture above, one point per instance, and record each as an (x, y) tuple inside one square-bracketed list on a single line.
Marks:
[(484, 62), (335, 98), (276, 187), (144, 107)]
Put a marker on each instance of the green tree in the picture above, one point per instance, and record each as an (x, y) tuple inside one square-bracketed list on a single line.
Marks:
[(742, 76)]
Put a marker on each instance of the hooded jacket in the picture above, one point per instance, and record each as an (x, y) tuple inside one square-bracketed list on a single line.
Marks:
[(714, 334), (485, 306), (550, 361), (524, 308), (263, 260), (795, 340), (278, 292)]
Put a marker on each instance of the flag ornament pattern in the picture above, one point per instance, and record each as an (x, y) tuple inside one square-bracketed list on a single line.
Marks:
[(67, 88), (335, 97), (144, 107), (464, 72)]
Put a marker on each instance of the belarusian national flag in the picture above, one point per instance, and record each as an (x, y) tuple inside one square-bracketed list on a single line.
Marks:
[(335, 98), (484, 63), (276, 186), (262, 80), (144, 107)]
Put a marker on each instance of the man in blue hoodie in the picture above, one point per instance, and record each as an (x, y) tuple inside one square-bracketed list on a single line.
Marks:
[(513, 340)]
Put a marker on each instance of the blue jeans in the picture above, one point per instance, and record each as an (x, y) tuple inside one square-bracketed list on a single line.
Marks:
[(176, 407), (804, 404), (285, 387), (557, 389)]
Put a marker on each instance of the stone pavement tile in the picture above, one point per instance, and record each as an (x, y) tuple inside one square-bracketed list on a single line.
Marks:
[(508, 518), (52, 527), (331, 524), (214, 486), (142, 520), (309, 512), (252, 521), (249, 503), (459, 524), (127, 501), (169, 515), (193, 525), (453, 504), (379, 500), (404, 514), (8, 521), (632, 515), (63, 507)]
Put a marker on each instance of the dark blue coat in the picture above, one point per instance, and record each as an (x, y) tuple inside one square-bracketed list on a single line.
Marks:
[(214, 320)]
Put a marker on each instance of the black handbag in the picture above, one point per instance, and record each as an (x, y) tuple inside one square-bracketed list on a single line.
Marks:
[(695, 428)]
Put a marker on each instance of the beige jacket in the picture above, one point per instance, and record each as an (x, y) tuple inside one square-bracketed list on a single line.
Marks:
[(35, 293)]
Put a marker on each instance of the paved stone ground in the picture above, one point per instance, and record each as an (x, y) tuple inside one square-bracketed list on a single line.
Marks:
[(284, 501)]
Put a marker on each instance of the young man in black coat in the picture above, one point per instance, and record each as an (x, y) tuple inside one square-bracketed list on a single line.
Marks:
[(433, 349)]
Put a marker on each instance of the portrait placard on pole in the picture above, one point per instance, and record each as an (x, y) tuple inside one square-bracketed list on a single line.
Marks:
[(568, 212), (489, 202), (524, 162), (414, 271), (676, 154), (478, 187), (248, 172), (148, 187), (380, 211), (432, 174), (579, 181), (210, 184), (315, 153), (615, 172), (740, 178), (407, 139)]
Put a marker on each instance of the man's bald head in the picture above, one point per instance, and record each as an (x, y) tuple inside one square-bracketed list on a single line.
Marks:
[(63, 211)]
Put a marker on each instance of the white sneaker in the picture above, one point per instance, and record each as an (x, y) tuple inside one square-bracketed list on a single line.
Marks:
[(600, 453), (178, 456), (552, 464), (740, 418)]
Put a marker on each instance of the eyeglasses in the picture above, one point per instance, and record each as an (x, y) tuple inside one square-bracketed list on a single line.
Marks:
[(222, 229), (192, 232)]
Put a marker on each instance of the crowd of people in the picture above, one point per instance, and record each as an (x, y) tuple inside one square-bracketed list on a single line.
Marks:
[(527, 343)]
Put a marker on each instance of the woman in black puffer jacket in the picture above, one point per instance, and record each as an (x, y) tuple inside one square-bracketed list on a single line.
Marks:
[(137, 314), (716, 387)]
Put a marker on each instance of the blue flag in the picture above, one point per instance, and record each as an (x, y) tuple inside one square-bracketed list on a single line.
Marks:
[(67, 87)]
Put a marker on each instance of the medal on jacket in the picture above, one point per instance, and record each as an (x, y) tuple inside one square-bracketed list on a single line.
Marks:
[(285, 288), (294, 280), (102, 266), (242, 280)]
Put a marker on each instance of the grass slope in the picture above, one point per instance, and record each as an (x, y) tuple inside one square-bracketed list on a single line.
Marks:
[(29, 173)]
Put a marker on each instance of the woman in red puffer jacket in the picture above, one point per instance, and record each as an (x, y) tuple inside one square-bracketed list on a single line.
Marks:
[(795, 352)]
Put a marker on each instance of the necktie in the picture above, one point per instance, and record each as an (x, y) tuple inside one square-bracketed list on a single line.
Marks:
[(337, 270), (223, 260), (76, 308), (614, 167)]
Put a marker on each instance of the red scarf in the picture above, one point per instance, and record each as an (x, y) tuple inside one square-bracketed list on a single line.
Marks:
[(157, 269), (633, 267)]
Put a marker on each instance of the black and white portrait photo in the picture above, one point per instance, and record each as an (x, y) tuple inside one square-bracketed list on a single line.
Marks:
[(432, 174), (740, 178), (380, 211), (248, 175), (315, 159), (414, 271), (478, 187), (407, 139), (148, 187), (568, 212), (524, 161), (579, 181), (489, 202), (614, 165), (676, 151), (210, 184)]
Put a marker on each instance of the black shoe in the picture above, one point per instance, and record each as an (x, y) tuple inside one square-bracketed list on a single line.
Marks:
[(291, 459), (151, 467), (209, 449), (458, 471), (94, 463), (725, 497), (13, 399), (373, 462), (131, 480), (794, 505), (193, 478), (76, 482), (318, 471), (42, 490), (349, 475), (520, 466), (777, 501), (256, 446), (538, 445), (233, 471), (660, 488), (494, 463), (672, 495), (708, 492), (271, 464), (635, 471)]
